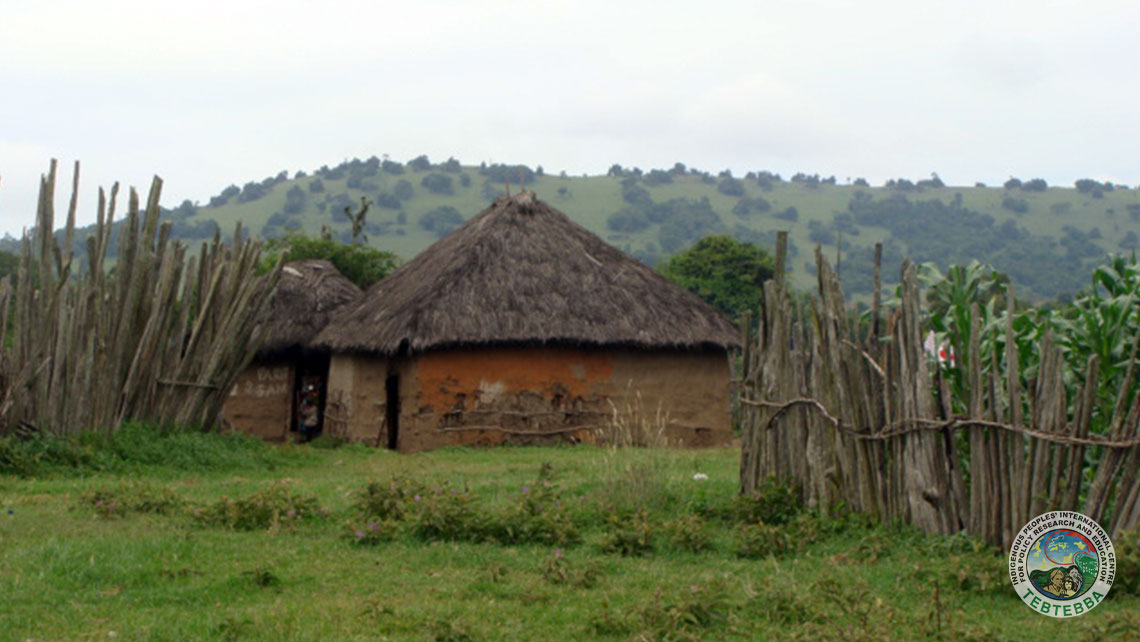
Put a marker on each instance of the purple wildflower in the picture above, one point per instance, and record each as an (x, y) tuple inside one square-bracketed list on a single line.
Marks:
[(417, 498), (11, 512), (558, 552), (526, 489), (359, 534), (372, 526), (291, 512)]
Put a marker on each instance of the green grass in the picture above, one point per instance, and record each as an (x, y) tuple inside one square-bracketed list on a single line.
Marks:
[(70, 571)]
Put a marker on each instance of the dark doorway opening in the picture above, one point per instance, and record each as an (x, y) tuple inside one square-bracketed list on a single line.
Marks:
[(392, 410), (310, 388)]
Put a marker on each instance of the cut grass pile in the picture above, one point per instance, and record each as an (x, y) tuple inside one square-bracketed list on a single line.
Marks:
[(510, 543)]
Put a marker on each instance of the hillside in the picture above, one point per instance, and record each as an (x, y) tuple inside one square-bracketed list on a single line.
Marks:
[(1046, 238)]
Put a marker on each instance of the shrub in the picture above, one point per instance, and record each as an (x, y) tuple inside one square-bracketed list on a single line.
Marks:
[(1127, 547), (539, 517), (371, 533), (556, 569), (132, 497), (270, 508), (441, 221), (791, 214), (446, 513), (438, 184), (688, 533), (629, 537), (773, 502), (695, 607), (1018, 205), (393, 500), (758, 541), (730, 186)]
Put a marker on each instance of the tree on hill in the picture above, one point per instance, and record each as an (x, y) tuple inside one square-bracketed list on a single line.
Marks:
[(420, 163), (438, 184), (441, 221), (726, 273), (403, 190), (359, 263)]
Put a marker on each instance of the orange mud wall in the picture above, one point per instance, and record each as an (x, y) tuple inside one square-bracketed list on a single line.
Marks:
[(260, 403), (490, 396)]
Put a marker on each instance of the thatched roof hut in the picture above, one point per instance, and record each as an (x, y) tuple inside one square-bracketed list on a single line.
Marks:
[(522, 326), (264, 398), (522, 272), (308, 293)]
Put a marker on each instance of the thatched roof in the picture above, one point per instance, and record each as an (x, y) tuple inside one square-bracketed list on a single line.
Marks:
[(307, 294), (521, 272)]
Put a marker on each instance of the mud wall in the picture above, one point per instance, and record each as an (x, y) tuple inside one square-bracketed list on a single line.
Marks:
[(355, 401), (260, 403), (489, 396)]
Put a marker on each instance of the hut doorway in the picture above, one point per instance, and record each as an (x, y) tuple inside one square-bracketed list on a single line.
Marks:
[(392, 410), (310, 387)]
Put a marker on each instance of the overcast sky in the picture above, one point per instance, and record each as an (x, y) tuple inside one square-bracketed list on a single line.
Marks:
[(205, 97)]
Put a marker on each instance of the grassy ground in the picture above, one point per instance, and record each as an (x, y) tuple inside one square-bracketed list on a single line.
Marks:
[(141, 550)]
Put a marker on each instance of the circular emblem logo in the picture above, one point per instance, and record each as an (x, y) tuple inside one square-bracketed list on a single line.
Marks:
[(1062, 564)]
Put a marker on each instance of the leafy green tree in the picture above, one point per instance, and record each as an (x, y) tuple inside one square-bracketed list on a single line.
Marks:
[(9, 262), (730, 186), (359, 263), (726, 273), (451, 166), (438, 184), (420, 163), (441, 221), (403, 190)]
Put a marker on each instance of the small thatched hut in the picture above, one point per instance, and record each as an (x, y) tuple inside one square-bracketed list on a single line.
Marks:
[(522, 326), (264, 399)]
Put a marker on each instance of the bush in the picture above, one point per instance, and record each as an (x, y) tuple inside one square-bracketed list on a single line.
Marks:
[(270, 508), (438, 184), (791, 214), (446, 513), (629, 537), (774, 502), (759, 541), (1019, 205), (730, 186), (539, 516), (361, 264), (688, 533), (132, 497), (441, 221), (628, 220), (393, 500), (371, 533), (403, 190), (1127, 546), (556, 569)]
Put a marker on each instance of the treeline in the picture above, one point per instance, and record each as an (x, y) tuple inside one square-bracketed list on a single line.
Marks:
[(951, 234)]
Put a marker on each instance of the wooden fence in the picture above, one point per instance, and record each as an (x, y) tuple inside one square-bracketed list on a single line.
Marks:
[(156, 337), (867, 423)]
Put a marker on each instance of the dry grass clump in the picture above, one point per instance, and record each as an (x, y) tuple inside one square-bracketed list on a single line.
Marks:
[(633, 425)]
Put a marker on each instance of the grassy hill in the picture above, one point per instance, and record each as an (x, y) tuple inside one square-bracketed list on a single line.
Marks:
[(1046, 239)]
